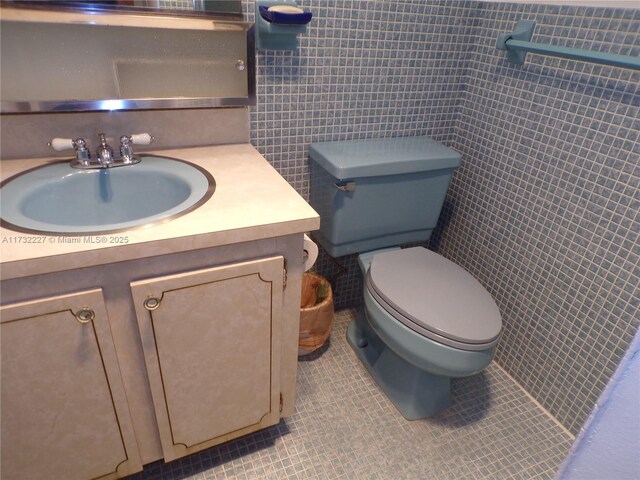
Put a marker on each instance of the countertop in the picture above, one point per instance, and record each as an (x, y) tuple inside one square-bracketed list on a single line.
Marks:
[(251, 202)]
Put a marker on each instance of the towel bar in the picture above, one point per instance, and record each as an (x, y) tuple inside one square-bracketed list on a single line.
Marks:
[(517, 45)]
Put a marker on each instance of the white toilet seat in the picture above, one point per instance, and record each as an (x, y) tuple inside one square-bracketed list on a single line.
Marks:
[(435, 298)]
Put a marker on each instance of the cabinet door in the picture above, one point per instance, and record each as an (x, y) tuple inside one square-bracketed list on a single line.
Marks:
[(64, 411), (211, 340)]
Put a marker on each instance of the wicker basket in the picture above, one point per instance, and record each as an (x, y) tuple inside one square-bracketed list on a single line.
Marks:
[(316, 313)]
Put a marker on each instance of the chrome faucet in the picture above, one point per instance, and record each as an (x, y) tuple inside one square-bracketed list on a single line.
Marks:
[(126, 149), (83, 154), (104, 153), (126, 146)]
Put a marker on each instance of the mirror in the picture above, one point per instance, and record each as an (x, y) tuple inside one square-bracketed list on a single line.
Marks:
[(114, 58), (162, 7)]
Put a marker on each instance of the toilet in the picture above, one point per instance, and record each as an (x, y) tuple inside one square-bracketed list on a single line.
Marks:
[(424, 319)]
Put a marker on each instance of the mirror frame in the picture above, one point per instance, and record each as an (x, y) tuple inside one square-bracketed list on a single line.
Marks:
[(85, 6), (116, 104)]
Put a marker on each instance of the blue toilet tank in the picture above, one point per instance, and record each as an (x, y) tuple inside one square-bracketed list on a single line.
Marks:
[(378, 193)]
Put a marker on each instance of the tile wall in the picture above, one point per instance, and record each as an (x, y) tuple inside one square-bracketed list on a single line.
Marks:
[(544, 210), (365, 69)]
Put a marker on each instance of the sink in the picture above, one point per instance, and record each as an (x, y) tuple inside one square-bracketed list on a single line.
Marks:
[(58, 199)]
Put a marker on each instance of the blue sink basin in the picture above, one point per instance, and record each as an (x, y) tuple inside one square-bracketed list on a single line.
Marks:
[(59, 199)]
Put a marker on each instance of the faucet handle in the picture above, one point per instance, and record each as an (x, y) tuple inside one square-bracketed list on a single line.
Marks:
[(60, 144), (141, 139), (79, 145), (126, 146)]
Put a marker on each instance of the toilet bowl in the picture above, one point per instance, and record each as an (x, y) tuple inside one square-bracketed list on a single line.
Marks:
[(424, 319)]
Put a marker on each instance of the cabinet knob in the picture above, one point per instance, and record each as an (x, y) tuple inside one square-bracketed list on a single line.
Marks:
[(151, 303), (85, 315)]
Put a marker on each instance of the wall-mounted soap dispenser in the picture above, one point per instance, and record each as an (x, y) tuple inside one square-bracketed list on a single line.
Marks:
[(278, 23)]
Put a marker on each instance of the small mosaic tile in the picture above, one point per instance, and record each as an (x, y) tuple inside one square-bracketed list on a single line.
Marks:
[(345, 428), (544, 210)]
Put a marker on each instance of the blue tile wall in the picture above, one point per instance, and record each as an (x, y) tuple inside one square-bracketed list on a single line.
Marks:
[(544, 209), (365, 69)]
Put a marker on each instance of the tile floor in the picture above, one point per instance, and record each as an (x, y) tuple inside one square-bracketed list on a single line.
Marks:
[(345, 428)]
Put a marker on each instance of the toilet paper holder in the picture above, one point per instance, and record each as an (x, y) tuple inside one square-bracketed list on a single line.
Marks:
[(310, 253)]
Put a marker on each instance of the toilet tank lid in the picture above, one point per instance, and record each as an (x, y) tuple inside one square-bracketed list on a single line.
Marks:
[(383, 156)]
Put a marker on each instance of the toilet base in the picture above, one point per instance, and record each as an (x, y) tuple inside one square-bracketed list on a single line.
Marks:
[(414, 392)]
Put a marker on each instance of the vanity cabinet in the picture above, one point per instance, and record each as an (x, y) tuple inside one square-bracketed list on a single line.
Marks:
[(211, 341), (203, 343), (64, 410), (195, 320)]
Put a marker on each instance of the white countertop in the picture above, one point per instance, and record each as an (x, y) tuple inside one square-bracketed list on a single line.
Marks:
[(251, 202)]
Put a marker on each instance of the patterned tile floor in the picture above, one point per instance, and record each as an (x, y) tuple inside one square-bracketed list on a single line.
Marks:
[(345, 428)]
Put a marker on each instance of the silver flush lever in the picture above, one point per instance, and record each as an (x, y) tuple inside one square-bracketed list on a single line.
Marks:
[(345, 187)]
